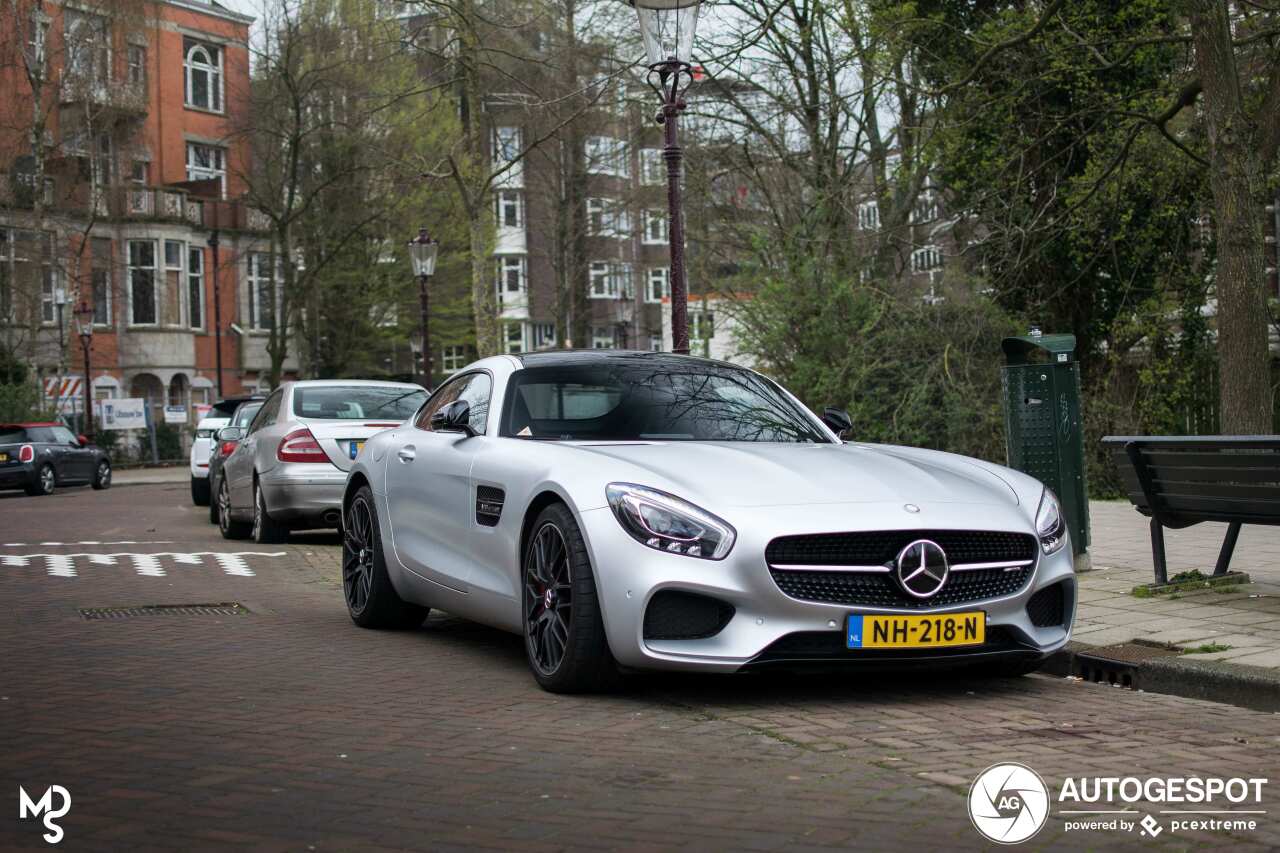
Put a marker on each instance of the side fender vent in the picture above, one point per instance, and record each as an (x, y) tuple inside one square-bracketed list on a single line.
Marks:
[(489, 505)]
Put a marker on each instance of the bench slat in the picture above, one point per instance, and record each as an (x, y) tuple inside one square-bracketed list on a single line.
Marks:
[(1222, 506), (1238, 491), (1266, 460), (1202, 474)]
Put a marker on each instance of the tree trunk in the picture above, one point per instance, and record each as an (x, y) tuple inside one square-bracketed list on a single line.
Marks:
[(1236, 180)]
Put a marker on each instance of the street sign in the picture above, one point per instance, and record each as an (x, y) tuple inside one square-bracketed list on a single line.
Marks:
[(127, 413), (175, 414)]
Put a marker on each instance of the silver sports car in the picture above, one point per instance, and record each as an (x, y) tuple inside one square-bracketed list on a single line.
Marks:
[(632, 510)]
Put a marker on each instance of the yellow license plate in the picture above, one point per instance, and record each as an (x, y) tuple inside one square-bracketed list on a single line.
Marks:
[(4, 457), (356, 447), (915, 630)]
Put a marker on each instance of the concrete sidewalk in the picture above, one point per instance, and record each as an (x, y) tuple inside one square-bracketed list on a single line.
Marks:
[(1243, 618), (150, 476)]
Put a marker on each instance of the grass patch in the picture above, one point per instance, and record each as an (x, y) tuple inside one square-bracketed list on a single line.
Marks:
[(1206, 649), (1192, 581)]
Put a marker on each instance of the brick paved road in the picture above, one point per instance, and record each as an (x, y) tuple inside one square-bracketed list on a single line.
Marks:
[(290, 729)]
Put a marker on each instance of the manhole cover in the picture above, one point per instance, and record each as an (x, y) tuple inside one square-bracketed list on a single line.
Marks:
[(225, 609), (1118, 664), (1131, 652)]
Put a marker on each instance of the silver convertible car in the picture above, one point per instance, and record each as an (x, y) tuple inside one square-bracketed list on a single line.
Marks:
[(631, 510)]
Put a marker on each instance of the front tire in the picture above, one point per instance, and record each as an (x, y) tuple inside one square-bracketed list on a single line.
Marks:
[(102, 475), (200, 491), (46, 482), (266, 531), (372, 601), (564, 637)]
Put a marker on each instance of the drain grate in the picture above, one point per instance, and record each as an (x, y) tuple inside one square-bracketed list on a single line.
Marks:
[(1117, 664), (225, 609)]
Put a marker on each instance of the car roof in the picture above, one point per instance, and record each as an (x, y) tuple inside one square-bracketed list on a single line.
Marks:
[(550, 358), (343, 383)]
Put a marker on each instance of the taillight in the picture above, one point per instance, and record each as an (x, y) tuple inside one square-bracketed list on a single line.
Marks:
[(27, 453), (300, 446), (227, 447)]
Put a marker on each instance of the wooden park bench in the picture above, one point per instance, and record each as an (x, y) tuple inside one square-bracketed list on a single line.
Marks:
[(1183, 480)]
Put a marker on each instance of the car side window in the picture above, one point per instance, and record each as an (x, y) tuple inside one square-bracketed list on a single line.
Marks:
[(477, 395), (444, 395), (267, 414), (62, 435), (41, 435)]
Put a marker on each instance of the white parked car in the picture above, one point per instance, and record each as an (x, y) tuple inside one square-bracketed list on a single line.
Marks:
[(202, 446)]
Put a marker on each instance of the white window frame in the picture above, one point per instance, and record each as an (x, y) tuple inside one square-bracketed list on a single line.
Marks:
[(452, 359), (925, 209), (927, 259), (653, 168), (542, 335), (609, 280), (181, 269), (696, 321), (607, 155), (607, 217), (508, 201), (153, 269), (657, 284), (93, 43), (100, 265), (656, 228), (136, 64), (195, 286), (217, 168), (603, 337), (505, 264), (255, 281), (513, 338), (869, 216), (213, 65), (508, 142), (655, 341)]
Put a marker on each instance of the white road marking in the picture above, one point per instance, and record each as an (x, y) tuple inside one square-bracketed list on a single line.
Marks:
[(146, 565), (89, 542)]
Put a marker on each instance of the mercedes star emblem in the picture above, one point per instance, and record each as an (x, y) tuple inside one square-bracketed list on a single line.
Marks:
[(922, 568)]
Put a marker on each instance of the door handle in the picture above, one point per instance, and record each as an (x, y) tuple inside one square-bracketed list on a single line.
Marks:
[(406, 453)]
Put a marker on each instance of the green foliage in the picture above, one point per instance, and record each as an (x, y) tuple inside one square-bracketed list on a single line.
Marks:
[(168, 442), (908, 373), (20, 398)]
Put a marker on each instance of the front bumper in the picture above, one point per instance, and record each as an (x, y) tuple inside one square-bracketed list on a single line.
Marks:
[(305, 495), (767, 626)]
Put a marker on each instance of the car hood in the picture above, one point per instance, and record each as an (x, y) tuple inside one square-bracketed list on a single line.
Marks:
[(768, 474)]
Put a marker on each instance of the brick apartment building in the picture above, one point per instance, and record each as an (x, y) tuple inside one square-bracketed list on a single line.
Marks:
[(133, 201)]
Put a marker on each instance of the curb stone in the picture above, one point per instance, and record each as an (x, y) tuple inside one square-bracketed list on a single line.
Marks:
[(1254, 687)]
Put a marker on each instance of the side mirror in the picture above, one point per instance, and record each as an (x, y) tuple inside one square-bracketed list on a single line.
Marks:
[(455, 417), (837, 420), (84, 442), (230, 434)]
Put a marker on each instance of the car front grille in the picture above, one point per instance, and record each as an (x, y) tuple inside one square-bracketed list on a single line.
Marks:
[(984, 565)]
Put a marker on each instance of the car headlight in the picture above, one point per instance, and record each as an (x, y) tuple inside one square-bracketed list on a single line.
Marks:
[(1050, 526), (666, 523)]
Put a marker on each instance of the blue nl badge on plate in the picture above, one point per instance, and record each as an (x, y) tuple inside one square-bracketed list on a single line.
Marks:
[(853, 632)]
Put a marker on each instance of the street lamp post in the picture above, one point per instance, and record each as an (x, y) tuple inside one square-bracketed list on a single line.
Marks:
[(667, 27), (217, 309), (83, 314), (423, 251)]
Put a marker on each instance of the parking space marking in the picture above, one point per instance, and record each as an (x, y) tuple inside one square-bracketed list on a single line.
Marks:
[(146, 565)]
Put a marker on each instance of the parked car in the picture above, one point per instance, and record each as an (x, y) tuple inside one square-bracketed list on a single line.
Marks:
[(648, 510), (290, 467), (224, 445), (202, 445), (39, 457)]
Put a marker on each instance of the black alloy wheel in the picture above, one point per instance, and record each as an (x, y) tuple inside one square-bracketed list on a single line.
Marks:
[(46, 481), (548, 597), (102, 476), (372, 600), (230, 528)]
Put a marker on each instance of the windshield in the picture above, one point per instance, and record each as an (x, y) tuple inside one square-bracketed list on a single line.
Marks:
[(356, 402), (245, 413), (620, 401)]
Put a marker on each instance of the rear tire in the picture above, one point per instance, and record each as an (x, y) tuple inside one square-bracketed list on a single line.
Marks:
[(46, 482), (266, 531), (230, 528), (200, 491), (102, 475), (372, 601), (213, 504), (564, 638)]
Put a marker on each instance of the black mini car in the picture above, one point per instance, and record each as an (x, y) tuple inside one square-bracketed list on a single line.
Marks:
[(40, 457)]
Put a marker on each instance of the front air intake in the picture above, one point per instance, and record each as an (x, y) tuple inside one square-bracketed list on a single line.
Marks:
[(675, 615), (1047, 608)]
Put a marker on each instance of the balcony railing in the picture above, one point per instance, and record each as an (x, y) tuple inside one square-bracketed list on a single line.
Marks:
[(143, 203), (118, 96)]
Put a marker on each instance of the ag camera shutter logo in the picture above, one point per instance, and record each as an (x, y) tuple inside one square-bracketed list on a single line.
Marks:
[(1008, 803)]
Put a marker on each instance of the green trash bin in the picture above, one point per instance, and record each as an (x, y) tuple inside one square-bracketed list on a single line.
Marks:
[(1043, 427)]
